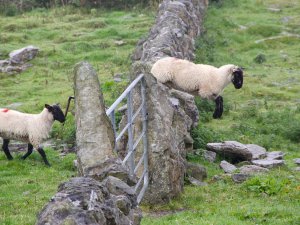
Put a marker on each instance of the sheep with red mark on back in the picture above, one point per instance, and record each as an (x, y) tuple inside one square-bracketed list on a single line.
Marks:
[(30, 128)]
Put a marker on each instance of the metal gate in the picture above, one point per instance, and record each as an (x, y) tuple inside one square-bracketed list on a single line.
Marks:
[(129, 159)]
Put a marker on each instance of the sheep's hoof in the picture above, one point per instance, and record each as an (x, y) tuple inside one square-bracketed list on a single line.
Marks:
[(217, 115)]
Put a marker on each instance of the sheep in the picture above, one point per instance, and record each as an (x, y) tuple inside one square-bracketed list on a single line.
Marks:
[(198, 79), (30, 128)]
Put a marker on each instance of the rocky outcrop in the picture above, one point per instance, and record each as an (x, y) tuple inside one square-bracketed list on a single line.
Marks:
[(18, 59), (83, 200), (171, 114)]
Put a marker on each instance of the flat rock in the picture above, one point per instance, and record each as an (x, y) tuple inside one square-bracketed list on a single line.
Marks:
[(227, 167), (252, 169), (257, 151), (275, 155), (297, 169), (231, 149), (297, 161), (268, 163), (196, 182)]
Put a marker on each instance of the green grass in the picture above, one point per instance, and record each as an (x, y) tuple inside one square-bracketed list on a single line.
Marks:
[(266, 111), (27, 185), (65, 37)]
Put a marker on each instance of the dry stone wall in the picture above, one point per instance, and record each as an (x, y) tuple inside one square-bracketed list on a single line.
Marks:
[(171, 114)]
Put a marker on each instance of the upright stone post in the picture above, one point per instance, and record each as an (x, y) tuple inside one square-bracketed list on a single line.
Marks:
[(103, 195), (94, 133)]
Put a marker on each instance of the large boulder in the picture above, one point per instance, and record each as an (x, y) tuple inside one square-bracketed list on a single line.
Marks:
[(83, 200), (233, 150)]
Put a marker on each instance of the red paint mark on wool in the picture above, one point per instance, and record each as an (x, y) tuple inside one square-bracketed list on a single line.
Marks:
[(5, 110)]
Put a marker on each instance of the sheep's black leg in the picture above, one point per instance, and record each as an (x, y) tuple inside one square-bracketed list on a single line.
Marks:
[(29, 151), (6, 150), (43, 154), (219, 107)]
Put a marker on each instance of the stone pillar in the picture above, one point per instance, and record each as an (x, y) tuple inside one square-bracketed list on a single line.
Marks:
[(169, 124), (94, 133)]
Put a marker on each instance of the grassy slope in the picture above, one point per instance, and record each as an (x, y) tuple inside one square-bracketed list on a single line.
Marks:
[(65, 37), (266, 111)]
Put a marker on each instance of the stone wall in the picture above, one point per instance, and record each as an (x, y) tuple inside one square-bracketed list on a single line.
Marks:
[(171, 114)]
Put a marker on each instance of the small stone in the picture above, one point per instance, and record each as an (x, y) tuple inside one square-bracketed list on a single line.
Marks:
[(196, 171), (275, 155), (297, 161), (120, 43), (209, 155), (297, 169), (227, 167), (239, 177), (286, 19)]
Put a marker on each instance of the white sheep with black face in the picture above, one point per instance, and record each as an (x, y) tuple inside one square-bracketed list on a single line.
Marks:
[(198, 79), (30, 128)]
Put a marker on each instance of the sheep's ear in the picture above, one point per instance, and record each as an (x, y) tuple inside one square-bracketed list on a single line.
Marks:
[(49, 107)]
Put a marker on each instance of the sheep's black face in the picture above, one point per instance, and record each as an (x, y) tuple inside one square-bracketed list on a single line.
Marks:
[(237, 78), (56, 112)]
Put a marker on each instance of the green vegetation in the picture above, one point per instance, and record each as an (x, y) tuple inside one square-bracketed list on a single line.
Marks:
[(266, 111), (65, 36)]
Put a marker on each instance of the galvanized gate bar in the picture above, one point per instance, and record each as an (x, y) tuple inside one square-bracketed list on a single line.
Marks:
[(129, 159), (124, 94)]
